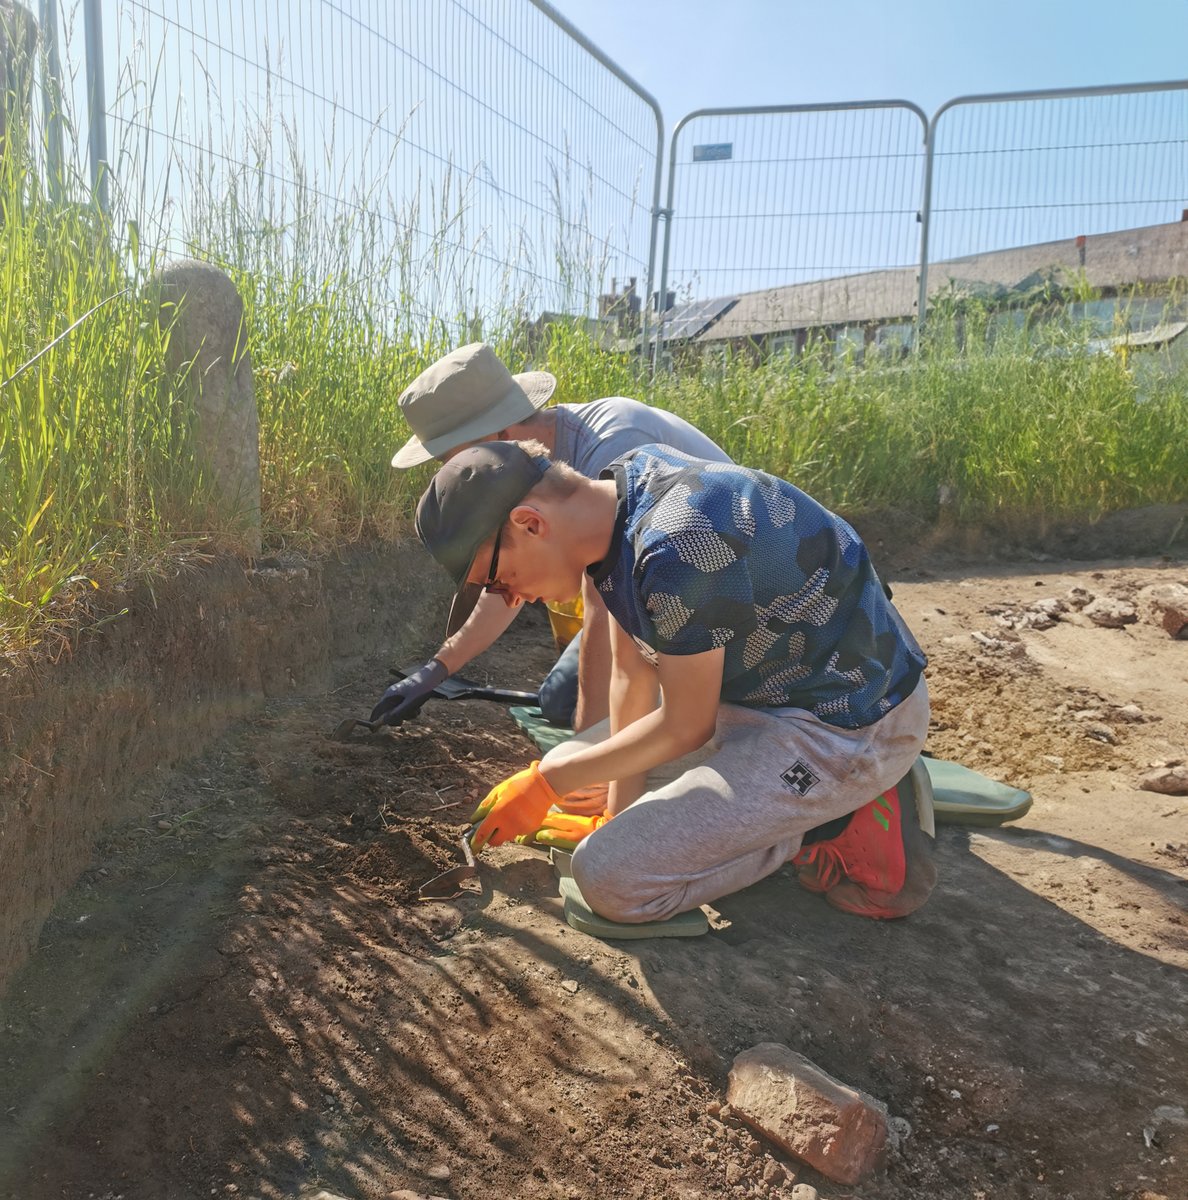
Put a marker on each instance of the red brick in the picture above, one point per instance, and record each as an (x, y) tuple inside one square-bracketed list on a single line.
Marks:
[(836, 1129)]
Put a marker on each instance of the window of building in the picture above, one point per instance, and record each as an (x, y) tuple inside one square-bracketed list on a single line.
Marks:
[(849, 343)]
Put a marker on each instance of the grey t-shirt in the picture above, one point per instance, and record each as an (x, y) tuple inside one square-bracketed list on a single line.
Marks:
[(589, 437)]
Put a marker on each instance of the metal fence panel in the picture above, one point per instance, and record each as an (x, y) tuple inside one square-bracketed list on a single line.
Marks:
[(490, 165), (789, 218), (475, 152), (1030, 184)]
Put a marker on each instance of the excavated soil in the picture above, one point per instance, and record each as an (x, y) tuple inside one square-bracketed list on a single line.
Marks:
[(242, 996)]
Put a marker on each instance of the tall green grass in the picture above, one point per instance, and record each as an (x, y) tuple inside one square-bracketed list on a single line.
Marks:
[(96, 472), (344, 307), (98, 479), (1017, 432)]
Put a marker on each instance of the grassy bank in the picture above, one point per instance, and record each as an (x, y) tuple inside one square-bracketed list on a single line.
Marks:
[(96, 473), (98, 483)]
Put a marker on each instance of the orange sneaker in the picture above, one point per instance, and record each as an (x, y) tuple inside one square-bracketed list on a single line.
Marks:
[(868, 852)]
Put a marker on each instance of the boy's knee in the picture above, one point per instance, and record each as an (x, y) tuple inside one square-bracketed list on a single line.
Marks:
[(603, 886)]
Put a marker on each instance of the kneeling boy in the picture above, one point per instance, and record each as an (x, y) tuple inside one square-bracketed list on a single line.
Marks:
[(763, 686)]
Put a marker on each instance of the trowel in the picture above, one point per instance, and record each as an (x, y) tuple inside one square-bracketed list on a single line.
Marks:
[(453, 688), (457, 688), (448, 884)]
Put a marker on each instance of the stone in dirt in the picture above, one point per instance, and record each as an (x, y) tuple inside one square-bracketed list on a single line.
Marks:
[(1052, 607), (1171, 1114), (996, 645), (841, 1132), (1168, 781), (1111, 613), (1166, 604)]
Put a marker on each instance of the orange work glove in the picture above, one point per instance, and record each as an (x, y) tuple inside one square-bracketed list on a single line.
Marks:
[(563, 830), (513, 807)]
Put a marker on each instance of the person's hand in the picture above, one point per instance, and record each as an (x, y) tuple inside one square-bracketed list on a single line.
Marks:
[(563, 830), (403, 700), (586, 802), (513, 807)]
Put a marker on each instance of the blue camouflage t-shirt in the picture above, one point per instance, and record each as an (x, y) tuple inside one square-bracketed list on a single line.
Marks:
[(709, 554)]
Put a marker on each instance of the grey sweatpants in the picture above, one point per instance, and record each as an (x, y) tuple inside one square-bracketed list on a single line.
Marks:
[(735, 810)]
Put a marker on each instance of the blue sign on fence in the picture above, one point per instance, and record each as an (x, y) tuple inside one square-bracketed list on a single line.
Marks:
[(713, 152)]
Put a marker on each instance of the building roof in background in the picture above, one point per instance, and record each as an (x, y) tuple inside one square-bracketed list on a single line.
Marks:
[(1153, 254)]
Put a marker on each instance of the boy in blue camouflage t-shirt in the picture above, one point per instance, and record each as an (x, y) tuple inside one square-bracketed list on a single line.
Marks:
[(762, 684)]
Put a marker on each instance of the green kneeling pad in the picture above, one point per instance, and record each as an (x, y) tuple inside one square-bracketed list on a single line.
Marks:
[(580, 916), (546, 736), (964, 797)]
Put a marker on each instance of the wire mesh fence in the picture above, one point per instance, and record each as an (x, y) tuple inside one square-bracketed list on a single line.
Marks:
[(838, 224), (786, 219), (474, 155), (478, 163), (1014, 172), (1032, 188)]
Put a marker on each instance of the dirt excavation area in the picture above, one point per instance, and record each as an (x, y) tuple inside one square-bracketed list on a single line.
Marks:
[(242, 997)]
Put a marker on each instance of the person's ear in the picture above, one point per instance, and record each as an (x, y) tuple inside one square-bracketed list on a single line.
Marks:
[(528, 520)]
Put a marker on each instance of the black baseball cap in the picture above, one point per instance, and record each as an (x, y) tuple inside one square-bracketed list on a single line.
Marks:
[(467, 502)]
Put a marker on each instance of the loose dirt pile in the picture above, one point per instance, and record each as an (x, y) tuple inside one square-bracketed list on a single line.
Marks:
[(242, 996)]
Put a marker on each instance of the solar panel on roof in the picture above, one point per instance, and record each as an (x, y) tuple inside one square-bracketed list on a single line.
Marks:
[(686, 321)]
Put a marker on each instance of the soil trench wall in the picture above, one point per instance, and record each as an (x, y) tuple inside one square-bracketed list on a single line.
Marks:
[(153, 687)]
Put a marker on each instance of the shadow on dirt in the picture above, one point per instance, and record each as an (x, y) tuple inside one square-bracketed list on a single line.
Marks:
[(242, 997), (1018, 1041)]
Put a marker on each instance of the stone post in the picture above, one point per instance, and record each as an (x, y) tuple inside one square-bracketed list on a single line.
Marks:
[(209, 343)]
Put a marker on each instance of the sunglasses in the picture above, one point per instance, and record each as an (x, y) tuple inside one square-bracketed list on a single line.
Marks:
[(492, 584)]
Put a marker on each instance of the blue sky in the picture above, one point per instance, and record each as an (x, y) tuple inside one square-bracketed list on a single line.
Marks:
[(715, 53)]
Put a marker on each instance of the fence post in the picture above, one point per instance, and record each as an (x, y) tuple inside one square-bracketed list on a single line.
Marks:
[(666, 212), (208, 343), (925, 222), (96, 103), (18, 43), (51, 98), (580, 38)]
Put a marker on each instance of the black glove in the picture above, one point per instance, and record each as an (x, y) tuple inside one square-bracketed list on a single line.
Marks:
[(403, 700)]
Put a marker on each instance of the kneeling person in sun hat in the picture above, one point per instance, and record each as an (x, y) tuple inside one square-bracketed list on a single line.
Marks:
[(470, 397), (765, 695)]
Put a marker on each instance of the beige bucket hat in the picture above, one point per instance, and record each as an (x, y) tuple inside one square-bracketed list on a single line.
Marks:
[(467, 395)]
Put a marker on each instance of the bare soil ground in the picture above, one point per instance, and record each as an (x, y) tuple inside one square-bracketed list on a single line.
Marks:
[(243, 998)]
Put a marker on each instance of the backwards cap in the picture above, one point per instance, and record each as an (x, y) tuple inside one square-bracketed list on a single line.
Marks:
[(467, 502)]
